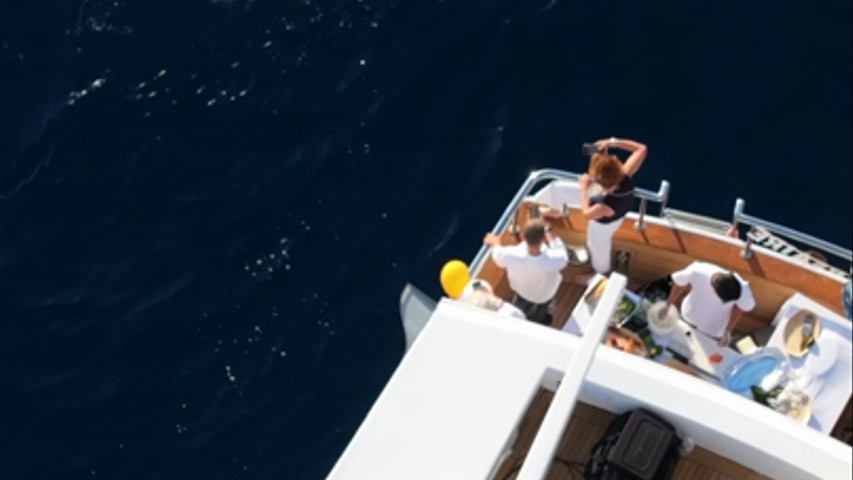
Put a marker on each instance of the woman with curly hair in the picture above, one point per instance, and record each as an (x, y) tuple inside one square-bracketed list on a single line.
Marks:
[(606, 207)]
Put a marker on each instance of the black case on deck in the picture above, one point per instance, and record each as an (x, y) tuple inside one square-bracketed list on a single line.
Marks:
[(638, 445)]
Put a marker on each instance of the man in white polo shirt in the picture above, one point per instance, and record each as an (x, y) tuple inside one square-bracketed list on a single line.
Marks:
[(533, 267), (715, 299)]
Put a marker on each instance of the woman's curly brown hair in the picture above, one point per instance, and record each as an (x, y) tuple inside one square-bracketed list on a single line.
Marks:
[(606, 170)]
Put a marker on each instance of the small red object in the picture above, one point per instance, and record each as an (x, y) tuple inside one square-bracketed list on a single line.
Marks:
[(715, 358)]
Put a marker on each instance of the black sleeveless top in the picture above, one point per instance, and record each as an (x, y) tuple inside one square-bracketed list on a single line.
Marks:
[(620, 200)]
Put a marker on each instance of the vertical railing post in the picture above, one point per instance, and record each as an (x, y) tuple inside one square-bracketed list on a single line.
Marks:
[(739, 206), (664, 202), (747, 253), (641, 222)]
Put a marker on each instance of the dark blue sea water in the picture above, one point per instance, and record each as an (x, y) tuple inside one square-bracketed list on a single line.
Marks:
[(208, 208)]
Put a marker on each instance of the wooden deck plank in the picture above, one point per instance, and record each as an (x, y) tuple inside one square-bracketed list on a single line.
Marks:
[(679, 470), (535, 418), (701, 472), (720, 464), (588, 435), (690, 471), (567, 297), (567, 443)]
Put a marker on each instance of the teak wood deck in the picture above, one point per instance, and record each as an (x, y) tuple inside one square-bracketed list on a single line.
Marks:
[(585, 428)]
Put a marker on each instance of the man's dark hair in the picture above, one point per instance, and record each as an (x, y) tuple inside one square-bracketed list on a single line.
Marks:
[(727, 286), (534, 232)]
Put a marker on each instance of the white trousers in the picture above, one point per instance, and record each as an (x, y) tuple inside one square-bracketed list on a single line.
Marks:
[(599, 241)]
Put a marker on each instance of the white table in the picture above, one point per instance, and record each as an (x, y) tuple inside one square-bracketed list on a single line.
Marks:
[(830, 391), (698, 346)]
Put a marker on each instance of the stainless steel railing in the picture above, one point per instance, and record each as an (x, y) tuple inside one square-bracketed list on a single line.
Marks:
[(740, 217), (551, 174), (661, 196)]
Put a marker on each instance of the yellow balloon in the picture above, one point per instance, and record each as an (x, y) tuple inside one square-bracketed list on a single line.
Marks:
[(454, 278)]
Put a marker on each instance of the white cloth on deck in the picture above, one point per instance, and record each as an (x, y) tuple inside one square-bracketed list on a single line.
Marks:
[(703, 307), (534, 278)]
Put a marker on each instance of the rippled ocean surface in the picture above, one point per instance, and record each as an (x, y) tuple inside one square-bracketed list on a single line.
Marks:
[(208, 208)]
